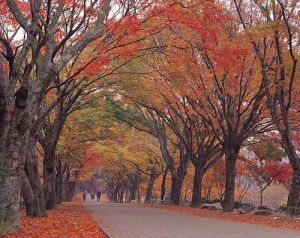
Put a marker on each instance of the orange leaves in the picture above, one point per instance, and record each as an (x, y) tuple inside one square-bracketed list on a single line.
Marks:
[(67, 220), (229, 58), (296, 139), (92, 158), (93, 61), (5, 68), (69, 2), (90, 164), (50, 94)]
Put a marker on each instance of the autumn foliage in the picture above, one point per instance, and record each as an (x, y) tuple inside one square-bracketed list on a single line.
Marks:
[(167, 100), (66, 220)]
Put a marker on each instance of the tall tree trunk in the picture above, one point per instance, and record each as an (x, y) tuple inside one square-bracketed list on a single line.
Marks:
[(138, 193), (293, 203), (196, 197), (176, 188), (134, 181), (32, 172), (231, 157), (49, 178), (70, 191), (163, 185), (150, 187), (13, 145), (132, 195), (9, 194), (49, 143), (178, 177), (68, 187), (59, 181), (261, 197), (114, 196), (28, 196)]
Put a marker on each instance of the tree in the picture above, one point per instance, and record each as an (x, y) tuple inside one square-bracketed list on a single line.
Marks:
[(269, 167), (49, 43), (54, 34), (226, 92), (82, 130), (244, 179), (278, 57)]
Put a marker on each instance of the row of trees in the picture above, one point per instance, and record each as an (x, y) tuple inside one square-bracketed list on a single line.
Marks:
[(54, 58), (126, 178), (222, 77), (202, 78)]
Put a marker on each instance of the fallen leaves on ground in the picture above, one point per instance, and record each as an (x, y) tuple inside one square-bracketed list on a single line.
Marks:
[(67, 220), (279, 221)]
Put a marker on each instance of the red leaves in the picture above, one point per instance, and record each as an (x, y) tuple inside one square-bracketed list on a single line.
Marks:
[(67, 220), (92, 158), (281, 172), (97, 66), (5, 68), (127, 25)]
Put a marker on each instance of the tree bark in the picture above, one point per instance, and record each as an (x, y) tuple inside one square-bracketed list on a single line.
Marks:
[(231, 157), (134, 181), (49, 144), (114, 195), (196, 197), (28, 196), (9, 203), (261, 197), (68, 187), (178, 176), (49, 188), (13, 145), (59, 181), (150, 187), (33, 175), (71, 186), (293, 203), (176, 188), (49, 179), (138, 193), (163, 185), (132, 194)]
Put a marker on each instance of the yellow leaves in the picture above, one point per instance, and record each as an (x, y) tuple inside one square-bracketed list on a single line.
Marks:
[(266, 29)]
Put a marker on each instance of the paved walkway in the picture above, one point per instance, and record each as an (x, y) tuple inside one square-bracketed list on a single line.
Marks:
[(129, 221)]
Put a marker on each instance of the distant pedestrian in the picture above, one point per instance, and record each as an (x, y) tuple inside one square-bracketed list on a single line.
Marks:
[(98, 195), (84, 194), (92, 194)]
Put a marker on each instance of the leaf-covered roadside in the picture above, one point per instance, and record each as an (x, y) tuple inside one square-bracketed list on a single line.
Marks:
[(278, 221), (65, 221)]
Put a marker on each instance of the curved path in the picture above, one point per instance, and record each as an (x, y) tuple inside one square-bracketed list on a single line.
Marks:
[(130, 221)]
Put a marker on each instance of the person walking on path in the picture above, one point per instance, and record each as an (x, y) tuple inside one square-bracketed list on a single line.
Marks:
[(98, 195), (84, 194), (92, 194)]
